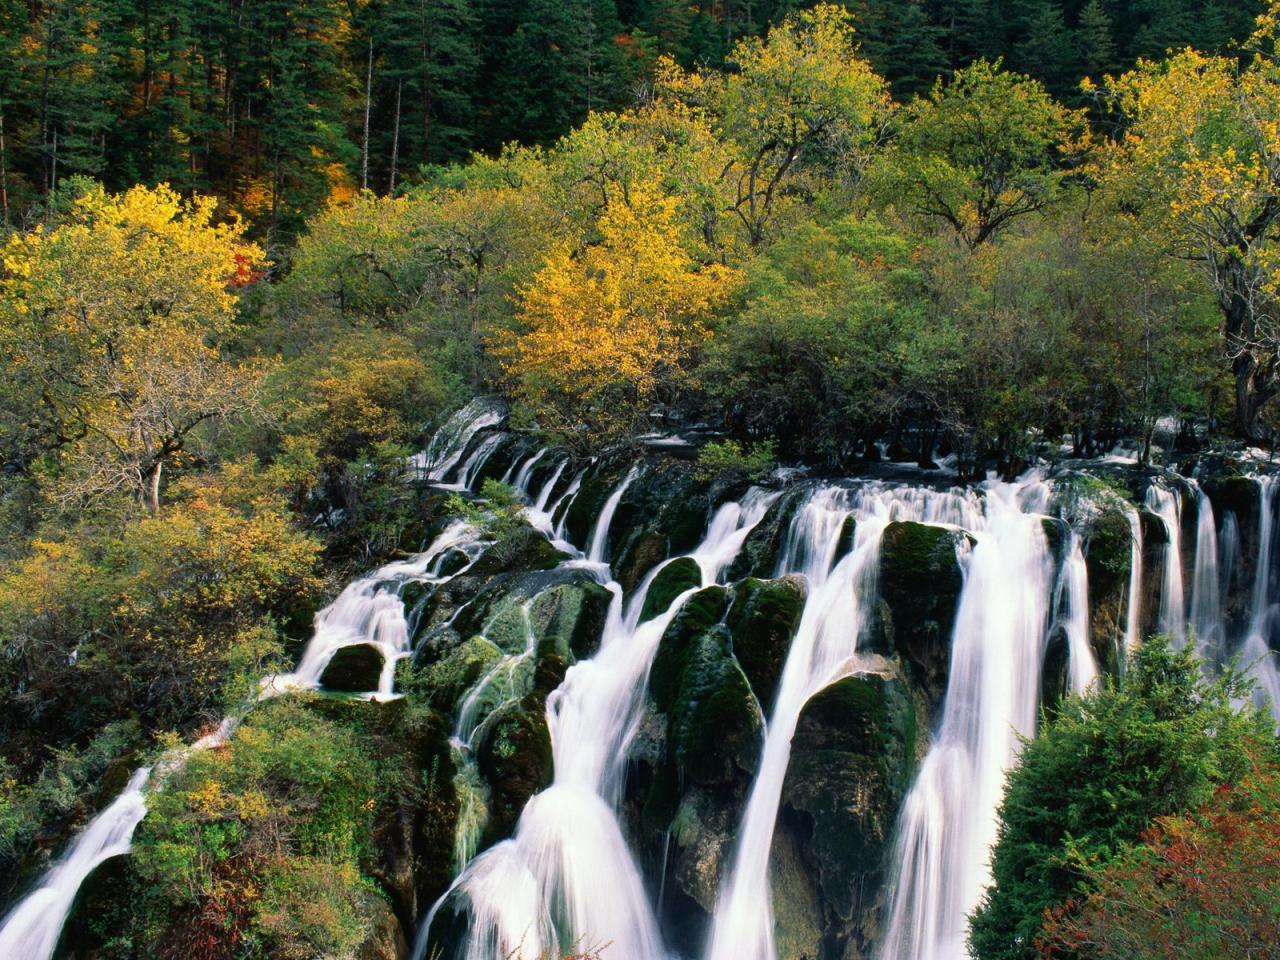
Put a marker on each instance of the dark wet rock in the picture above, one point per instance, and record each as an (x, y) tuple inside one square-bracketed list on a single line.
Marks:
[(515, 760), (759, 554), (353, 669), (920, 583), (524, 549), (762, 621), (714, 721), (852, 760), (643, 553), (569, 620), (798, 923), (672, 580)]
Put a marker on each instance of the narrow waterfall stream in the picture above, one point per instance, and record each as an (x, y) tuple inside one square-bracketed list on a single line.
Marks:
[(1257, 654), (1082, 666), (1206, 596), (948, 821), (1166, 505)]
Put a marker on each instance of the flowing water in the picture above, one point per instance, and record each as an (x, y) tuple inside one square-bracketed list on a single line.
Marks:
[(948, 821), (567, 875), (1166, 505)]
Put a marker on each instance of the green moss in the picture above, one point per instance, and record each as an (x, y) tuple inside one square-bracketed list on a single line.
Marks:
[(515, 760), (762, 621), (852, 759), (714, 720), (445, 681), (674, 579), (699, 613)]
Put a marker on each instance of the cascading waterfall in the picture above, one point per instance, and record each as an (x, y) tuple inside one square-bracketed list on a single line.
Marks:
[(1256, 654), (567, 875), (1206, 597), (949, 818), (837, 607), (369, 611), (452, 440), (32, 928), (1133, 612), (1166, 505), (1082, 667)]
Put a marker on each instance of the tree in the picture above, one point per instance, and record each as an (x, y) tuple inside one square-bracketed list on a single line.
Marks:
[(111, 317), (801, 95), (605, 332), (982, 151), (1198, 886), (1199, 163), (1159, 742), (1095, 45)]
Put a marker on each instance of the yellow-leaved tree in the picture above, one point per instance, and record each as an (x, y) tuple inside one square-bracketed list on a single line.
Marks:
[(608, 330), (1198, 164), (110, 324)]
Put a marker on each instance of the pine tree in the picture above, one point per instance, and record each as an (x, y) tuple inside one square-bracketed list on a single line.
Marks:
[(1095, 47), (1045, 47)]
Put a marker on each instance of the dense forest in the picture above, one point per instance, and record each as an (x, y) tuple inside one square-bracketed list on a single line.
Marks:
[(276, 108), (256, 254)]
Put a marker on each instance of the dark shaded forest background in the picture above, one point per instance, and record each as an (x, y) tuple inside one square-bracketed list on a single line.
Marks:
[(277, 106)]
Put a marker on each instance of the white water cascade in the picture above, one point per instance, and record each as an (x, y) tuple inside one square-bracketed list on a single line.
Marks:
[(838, 605), (1256, 655), (369, 611), (1206, 596), (1133, 613), (451, 441), (1166, 505), (1083, 667), (32, 928), (948, 821), (567, 875)]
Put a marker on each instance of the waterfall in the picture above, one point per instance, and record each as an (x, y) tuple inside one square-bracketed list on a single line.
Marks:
[(1083, 668), (369, 611), (567, 875), (1133, 614), (948, 822), (1206, 596), (1256, 655), (451, 441), (1166, 505), (32, 928), (521, 481), (839, 600)]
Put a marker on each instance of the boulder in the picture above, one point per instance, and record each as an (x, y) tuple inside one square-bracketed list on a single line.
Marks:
[(353, 669), (672, 580), (920, 583), (448, 679), (852, 760), (385, 939), (762, 621), (515, 759)]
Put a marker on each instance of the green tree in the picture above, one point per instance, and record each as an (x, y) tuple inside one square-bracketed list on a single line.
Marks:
[(982, 151), (1097, 775)]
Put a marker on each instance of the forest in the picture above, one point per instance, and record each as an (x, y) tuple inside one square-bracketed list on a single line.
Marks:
[(590, 325)]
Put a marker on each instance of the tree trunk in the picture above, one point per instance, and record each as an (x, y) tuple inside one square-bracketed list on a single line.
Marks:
[(153, 488), (368, 105)]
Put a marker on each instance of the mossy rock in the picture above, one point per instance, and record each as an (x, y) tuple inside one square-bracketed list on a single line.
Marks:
[(568, 620), (515, 760), (642, 553), (353, 669), (1055, 670), (581, 516), (1239, 495), (1056, 532), (759, 554), (699, 614), (920, 583), (852, 760), (447, 680), (675, 578), (715, 722), (798, 925), (1108, 553), (525, 549), (762, 621)]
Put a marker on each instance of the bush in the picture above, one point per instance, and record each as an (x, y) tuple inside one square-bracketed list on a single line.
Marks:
[(730, 460), (1098, 774)]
